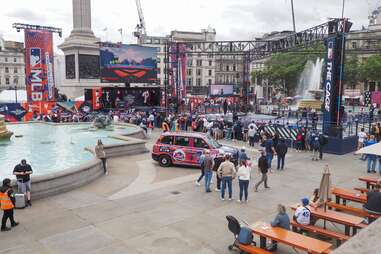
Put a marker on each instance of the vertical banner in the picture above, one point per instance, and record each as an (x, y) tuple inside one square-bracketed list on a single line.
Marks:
[(178, 70), (39, 65), (332, 91), (96, 96)]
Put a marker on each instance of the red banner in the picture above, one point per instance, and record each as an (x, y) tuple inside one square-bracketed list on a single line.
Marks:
[(39, 65)]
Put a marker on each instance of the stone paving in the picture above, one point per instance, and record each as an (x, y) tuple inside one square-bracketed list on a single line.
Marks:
[(143, 208)]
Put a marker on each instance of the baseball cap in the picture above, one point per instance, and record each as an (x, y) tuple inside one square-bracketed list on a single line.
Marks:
[(305, 201)]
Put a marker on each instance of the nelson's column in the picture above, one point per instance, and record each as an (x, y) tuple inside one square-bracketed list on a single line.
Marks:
[(81, 51)]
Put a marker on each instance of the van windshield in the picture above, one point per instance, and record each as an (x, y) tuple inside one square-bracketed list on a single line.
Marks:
[(213, 142)]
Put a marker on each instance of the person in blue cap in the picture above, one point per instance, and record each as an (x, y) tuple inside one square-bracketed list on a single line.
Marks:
[(303, 214)]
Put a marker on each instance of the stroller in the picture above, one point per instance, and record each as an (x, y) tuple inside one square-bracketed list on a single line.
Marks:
[(235, 227)]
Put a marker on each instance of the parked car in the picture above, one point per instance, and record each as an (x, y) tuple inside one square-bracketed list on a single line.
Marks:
[(185, 148)]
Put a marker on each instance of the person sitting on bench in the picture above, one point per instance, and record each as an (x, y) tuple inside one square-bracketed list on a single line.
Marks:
[(281, 220), (373, 203), (302, 213)]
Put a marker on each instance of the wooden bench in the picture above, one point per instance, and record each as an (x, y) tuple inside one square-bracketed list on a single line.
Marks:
[(352, 210), (251, 249), (339, 237), (362, 190)]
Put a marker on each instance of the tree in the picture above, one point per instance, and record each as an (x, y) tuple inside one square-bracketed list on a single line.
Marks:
[(352, 71), (370, 69), (284, 69)]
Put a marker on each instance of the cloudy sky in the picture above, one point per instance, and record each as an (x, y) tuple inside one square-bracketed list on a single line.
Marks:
[(232, 19)]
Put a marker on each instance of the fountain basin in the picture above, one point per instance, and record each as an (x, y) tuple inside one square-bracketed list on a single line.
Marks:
[(57, 156)]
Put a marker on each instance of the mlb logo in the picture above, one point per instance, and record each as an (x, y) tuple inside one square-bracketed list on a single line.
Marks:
[(330, 50), (35, 56)]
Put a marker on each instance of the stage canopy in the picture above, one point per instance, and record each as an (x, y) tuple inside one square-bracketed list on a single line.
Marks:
[(9, 96)]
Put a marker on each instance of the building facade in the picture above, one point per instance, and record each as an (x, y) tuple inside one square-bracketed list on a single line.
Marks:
[(12, 65), (200, 68)]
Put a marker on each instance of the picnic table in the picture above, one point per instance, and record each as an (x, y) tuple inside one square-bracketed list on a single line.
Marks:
[(292, 239), (349, 221), (369, 180), (345, 194)]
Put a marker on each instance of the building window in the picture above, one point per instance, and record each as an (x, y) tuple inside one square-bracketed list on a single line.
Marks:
[(189, 62), (7, 81), (199, 63), (189, 72), (198, 82), (14, 59), (210, 72), (227, 67), (198, 72), (189, 82), (6, 59), (15, 81), (354, 44), (15, 70), (234, 67), (210, 55), (210, 63), (6, 70), (237, 75), (209, 82)]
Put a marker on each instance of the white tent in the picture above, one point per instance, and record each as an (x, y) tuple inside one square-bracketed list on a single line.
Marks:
[(9, 96), (372, 149)]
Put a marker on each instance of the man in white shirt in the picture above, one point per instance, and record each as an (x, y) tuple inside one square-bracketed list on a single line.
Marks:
[(361, 138), (303, 214)]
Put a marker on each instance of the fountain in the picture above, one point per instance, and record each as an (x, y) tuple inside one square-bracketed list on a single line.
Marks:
[(309, 85), (4, 133)]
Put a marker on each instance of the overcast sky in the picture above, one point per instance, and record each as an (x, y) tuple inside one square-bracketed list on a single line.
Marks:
[(232, 19)]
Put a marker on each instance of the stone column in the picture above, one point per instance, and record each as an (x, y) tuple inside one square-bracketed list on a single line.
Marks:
[(82, 17)]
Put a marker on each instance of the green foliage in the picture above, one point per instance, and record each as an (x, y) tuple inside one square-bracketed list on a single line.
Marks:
[(352, 71), (285, 68), (370, 69)]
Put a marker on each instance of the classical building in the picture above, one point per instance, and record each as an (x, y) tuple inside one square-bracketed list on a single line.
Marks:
[(12, 65)]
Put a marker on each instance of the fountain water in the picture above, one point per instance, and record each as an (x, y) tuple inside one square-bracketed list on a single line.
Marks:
[(309, 84)]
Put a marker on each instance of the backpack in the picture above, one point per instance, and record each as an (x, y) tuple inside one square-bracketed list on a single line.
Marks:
[(245, 236)]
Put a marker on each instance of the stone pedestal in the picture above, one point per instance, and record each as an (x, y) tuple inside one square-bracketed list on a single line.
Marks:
[(81, 42)]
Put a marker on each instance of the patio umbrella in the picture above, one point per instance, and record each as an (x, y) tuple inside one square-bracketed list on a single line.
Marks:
[(374, 149), (325, 189)]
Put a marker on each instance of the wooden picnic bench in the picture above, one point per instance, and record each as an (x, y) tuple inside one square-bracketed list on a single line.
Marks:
[(369, 180), (352, 210), (251, 249), (349, 221), (339, 237), (345, 195), (292, 239), (362, 190)]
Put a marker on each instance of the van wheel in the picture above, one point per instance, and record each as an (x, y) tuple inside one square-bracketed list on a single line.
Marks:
[(165, 161)]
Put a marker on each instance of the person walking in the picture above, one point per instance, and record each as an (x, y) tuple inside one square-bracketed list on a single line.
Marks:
[(242, 156), (101, 154), (299, 141), (217, 162), (201, 163), (323, 140), (7, 205), (227, 172), (371, 158), (281, 151), (252, 131), (243, 173), (263, 169), (270, 150), (22, 172), (208, 164), (315, 145)]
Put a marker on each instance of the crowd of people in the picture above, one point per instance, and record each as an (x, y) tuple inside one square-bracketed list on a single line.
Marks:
[(368, 139)]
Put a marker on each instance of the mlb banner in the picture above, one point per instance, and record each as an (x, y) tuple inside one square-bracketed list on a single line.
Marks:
[(39, 65)]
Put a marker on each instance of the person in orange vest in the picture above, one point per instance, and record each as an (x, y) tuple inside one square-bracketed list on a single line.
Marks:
[(165, 126), (6, 204)]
